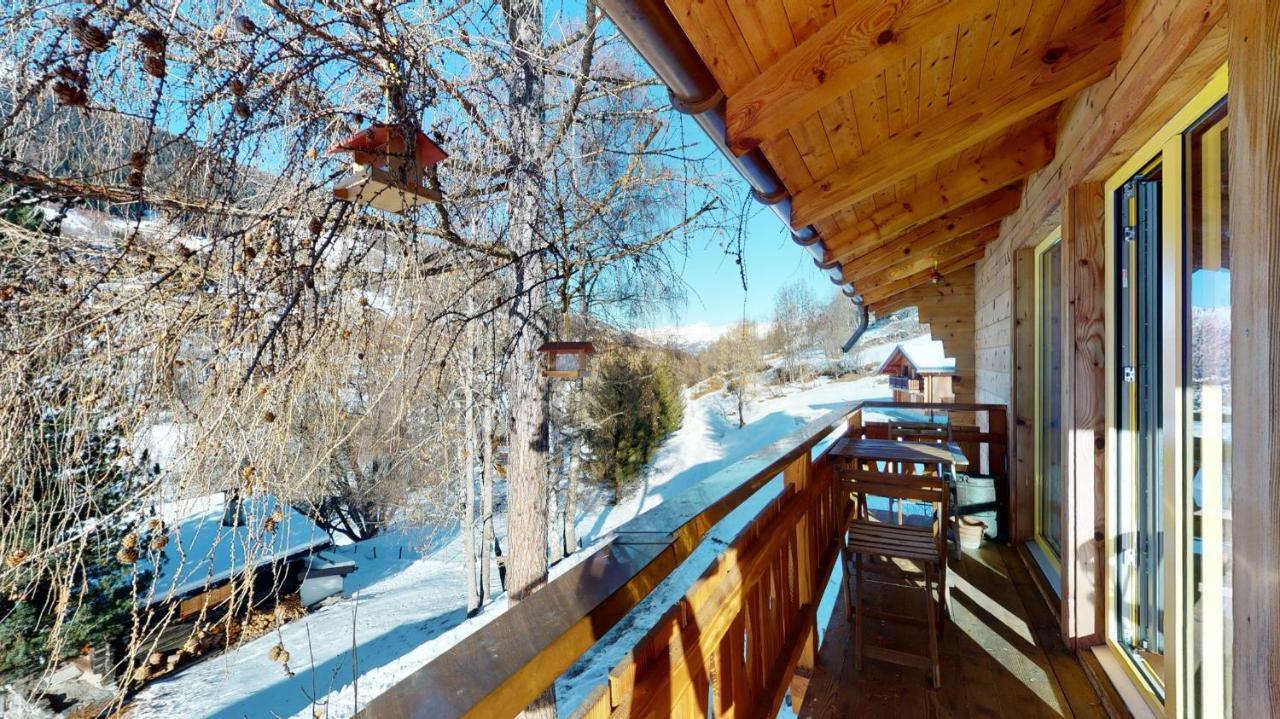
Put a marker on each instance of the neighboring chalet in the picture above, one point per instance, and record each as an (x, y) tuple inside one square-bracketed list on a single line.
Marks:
[(919, 373), (1082, 197)]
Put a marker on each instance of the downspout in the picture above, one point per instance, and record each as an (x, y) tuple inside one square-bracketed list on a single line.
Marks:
[(653, 31)]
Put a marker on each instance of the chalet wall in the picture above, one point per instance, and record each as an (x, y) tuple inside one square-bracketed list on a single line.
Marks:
[(1172, 48), (1098, 130)]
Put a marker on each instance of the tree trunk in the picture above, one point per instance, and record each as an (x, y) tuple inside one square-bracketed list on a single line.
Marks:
[(468, 500), (527, 472), (554, 469), (486, 499), (570, 529)]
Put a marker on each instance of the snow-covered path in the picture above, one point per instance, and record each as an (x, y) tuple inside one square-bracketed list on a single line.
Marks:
[(409, 606)]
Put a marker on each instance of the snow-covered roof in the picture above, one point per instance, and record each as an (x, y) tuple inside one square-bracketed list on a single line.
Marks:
[(927, 357), (202, 552)]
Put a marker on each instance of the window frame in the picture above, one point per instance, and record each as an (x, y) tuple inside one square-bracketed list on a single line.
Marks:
[(1166, 147)]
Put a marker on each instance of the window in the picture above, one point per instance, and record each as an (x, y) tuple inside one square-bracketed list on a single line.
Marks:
[(1169, 413), (1139, 581), (1206, 482), (1048, 399)]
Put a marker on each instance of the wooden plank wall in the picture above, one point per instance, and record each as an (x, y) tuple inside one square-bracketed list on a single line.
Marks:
[(1254, 92), (1171, 49)]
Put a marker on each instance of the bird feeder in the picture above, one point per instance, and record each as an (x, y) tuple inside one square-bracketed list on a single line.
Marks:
[(565, 360), (384, 172)]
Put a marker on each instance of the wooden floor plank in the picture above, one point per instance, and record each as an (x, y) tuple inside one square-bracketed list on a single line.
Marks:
[(1001, 655)]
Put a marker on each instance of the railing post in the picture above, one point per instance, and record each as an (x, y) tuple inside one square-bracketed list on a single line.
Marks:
[(797, 476)]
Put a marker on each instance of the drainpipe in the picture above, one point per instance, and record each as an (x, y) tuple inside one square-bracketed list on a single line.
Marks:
[(655, 34)]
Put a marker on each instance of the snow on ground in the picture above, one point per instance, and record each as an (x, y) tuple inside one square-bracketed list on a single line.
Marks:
[(408, 607)]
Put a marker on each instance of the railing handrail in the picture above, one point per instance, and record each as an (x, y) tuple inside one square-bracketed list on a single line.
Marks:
[(505, 664)]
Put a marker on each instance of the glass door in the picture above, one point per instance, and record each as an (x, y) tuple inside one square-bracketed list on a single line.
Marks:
[(1169, 444), (1048, 406), (1206, 483), (1139, 581)]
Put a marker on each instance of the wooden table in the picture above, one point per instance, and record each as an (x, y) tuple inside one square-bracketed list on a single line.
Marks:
[(855, 451)]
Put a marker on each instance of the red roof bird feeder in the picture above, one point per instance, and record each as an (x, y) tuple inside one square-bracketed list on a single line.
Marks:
[(565, 360), (383, 172)]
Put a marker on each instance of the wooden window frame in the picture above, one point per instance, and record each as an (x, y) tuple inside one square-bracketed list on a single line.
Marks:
[(1041, 550), (1166, 145)]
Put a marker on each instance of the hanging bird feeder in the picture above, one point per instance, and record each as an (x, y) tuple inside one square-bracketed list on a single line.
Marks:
[(386, 169), (565, 360)]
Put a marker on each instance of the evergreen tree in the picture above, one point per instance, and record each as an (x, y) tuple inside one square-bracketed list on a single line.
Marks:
[(635, 402), (82, 593)]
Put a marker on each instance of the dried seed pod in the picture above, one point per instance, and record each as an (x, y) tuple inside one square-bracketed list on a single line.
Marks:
[(242, 110), (159, 542), (138, 160), (155, 524), (71, 75), (284, 657), (275, 652), (315, 226), (218, 32), (89, 35), (245, 25), (269, 525), (129, 540), (236, 86), (135, 179), (15, 558), (154, 65), (70, 95), (269, 417), (153, 40), (127, 555)]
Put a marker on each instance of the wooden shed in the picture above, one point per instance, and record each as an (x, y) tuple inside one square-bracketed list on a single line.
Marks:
[(919, 373)]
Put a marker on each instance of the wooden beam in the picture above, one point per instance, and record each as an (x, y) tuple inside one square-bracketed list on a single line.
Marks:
[(876, 296), (1032, 85), (995, 171), (1254, 158), (924, 259), (867, 259), (860, 43), (1083, 393)]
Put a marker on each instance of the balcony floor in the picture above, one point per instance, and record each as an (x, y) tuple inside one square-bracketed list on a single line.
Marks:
[(1001, 654)]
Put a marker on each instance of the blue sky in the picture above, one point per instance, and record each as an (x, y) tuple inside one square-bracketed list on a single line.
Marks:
[(714, 285)]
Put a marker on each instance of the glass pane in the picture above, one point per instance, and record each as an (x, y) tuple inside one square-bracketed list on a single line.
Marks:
[(1139, 486), (1049, 380), (1207, 486)]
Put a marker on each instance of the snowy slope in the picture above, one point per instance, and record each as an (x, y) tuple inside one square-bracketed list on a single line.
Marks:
[(408, 609)]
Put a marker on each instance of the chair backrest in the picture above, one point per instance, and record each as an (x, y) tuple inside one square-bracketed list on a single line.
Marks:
[(915, 487), (920, 431)]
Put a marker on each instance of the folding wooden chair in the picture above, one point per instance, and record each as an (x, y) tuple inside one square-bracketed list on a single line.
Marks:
[(894, 538)]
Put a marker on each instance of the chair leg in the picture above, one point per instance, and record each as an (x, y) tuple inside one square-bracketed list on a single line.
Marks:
[(858, 613), (936, 674), (846, 566)]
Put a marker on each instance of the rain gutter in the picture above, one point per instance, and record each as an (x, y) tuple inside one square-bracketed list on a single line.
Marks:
[(655, 34)]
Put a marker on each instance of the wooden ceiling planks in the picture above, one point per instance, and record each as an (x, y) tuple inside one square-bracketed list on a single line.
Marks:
[(865, 260), (877, 297), (977, 115), (866, 39), (1015, 155), (914, 127)]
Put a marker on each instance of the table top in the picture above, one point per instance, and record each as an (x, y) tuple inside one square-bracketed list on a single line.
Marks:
[(888, 450)]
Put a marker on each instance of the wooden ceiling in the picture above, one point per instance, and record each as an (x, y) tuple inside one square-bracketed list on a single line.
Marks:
[(902, 128)]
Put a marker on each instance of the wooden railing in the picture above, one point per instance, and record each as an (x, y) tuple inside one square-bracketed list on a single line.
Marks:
[(738, 639)]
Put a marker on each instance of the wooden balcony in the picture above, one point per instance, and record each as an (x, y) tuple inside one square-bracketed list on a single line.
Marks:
[(744, 637), (1002, 655)]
